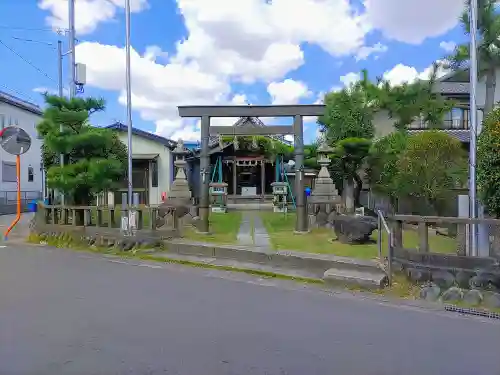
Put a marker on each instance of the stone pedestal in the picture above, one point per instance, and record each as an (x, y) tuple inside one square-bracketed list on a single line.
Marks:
[(325, 197)]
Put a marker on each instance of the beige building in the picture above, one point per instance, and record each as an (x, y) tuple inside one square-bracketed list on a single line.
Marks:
[(152, 165)]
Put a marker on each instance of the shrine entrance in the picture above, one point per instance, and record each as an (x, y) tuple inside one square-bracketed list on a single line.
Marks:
[(244, 171)]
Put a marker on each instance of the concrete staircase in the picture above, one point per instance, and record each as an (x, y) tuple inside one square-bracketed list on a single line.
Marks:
[(332, 270)]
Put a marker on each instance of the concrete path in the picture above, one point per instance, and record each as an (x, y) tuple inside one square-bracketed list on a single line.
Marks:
[(252, 231), (20, 231), (71, 313)]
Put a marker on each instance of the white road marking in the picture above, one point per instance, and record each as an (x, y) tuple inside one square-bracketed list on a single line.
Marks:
[(117, 261), (149, 265)]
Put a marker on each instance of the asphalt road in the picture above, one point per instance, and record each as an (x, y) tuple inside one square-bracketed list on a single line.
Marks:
[(63, 312)]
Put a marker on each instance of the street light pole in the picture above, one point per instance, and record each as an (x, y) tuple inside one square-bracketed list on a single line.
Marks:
[(129, 103), (474, 127), (60, 90)]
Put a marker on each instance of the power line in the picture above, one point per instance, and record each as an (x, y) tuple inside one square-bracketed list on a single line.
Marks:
[(33, 41), (27, 61), (46, 29)]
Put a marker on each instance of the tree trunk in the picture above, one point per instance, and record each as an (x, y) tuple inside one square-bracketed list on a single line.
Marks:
[(357, 190), (348, 194), (489, 101), (81, 198)]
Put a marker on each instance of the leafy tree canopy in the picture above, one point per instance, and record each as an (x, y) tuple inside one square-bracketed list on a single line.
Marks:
[(348, 114), (383, 163), (409, 101), (488, 163), (432, 164), (94, 158)]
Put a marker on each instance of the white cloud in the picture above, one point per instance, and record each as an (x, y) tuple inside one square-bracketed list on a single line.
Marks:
[(156, 89), (412, 21), (88, 13), (397, 75), (365, 51), (153, 53), (255, 39), (402, 73), (227, 41), (448, 46), (188, 133), (51, 91), (350, 78), (288, 91)]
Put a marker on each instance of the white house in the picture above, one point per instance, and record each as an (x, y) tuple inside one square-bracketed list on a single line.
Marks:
[(152, 164), (17, 112)]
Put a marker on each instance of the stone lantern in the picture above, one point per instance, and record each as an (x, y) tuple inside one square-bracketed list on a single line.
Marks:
[(180, 187), (325, 196)]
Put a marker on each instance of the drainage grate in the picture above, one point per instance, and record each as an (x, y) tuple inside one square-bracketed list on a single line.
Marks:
[(472, 311)]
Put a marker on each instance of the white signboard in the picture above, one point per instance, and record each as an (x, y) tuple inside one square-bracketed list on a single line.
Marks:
[(124, 224), (133, 220)]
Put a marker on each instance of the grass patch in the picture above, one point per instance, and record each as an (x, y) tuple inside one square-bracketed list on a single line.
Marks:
[(280, 228), (223, 229)]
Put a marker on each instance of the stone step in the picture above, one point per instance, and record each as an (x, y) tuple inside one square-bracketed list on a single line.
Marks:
[(262, 206), (220, 262), (355, 278)]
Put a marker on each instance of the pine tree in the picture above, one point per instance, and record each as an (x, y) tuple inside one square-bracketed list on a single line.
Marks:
[(94, 158)]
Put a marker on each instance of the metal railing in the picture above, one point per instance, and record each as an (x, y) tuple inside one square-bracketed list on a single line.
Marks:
[(382, 226)]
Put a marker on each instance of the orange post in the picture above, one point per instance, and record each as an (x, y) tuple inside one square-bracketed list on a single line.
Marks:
[(18, 215)]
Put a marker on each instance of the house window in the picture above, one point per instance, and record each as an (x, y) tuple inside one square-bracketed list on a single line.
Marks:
[(30, 174), (9, 172), (154, 173), (457, 118)]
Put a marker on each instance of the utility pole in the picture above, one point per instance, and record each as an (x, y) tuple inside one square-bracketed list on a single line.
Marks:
[(60, 69), (129, 105), (71, 43), (60, 90), (71, 53), (473, 126)]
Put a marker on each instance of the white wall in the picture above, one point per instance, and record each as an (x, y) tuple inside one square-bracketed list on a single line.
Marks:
[(481, 94), (383, 124), (145, 146), (26, 120)]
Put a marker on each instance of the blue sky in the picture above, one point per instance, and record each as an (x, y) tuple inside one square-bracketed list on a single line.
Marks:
[(290, 51)]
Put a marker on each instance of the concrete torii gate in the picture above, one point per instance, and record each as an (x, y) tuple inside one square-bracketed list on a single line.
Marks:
[(297, 129)]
